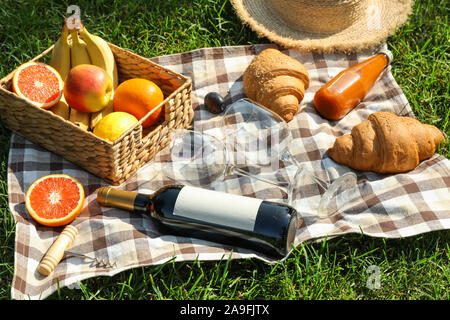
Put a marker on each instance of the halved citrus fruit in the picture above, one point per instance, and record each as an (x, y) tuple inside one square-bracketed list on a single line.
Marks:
[(39, 84), (55, 200)]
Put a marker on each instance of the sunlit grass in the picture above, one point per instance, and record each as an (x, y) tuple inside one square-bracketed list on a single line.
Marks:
[(412, 268)]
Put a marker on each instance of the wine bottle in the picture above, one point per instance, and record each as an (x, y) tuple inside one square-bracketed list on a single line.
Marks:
[(264, 226)]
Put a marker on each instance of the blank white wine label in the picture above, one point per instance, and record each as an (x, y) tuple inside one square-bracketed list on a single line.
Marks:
[(217, 207)]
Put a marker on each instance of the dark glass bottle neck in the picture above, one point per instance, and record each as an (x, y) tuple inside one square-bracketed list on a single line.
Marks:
[(142, 204)]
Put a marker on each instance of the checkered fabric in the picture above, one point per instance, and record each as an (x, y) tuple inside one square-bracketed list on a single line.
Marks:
[(391, 206)]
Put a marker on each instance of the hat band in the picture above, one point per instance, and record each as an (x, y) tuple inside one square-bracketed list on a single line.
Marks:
[(321, 16)]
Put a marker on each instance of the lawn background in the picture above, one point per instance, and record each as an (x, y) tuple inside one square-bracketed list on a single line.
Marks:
[(411, 268)]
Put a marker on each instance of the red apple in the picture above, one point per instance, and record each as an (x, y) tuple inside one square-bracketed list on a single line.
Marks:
[(87, 88)]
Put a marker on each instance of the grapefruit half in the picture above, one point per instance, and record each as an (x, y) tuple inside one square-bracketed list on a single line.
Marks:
[(55, 200), (39, 84)]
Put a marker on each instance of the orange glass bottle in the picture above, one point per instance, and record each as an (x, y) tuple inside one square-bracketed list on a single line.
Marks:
[(345, 91)]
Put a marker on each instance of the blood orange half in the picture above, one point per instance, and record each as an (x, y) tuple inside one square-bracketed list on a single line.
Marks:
[(39, 84), (55, 200)]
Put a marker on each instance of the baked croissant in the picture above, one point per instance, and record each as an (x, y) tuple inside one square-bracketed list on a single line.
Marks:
[(276, 81), (386, 143)]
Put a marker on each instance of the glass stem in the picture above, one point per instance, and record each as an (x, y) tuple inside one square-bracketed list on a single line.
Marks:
[(288, 157), (282, 185)]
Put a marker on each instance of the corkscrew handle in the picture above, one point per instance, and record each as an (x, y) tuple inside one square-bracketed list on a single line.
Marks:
[(56, 251)]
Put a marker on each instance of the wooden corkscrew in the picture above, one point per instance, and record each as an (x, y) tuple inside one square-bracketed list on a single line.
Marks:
[(56, 251), (59, 248)]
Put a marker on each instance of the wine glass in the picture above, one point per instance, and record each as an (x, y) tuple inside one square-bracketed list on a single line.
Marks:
[(252, 122), (197, 158), (251, 137), (191, 157)]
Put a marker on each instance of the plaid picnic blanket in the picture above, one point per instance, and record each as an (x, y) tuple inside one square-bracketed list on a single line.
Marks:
[(389, 206)]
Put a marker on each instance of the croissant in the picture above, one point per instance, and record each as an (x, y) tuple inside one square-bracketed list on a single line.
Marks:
[(277, 82), (386, 143)]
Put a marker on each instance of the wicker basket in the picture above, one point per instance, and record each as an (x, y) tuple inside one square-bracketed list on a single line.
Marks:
[(114, 161)]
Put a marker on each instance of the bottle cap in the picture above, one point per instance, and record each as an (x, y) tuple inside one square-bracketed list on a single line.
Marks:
[(388, 54), (110, 197)]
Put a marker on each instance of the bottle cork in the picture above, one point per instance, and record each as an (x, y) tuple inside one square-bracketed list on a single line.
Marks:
[(56, 251)]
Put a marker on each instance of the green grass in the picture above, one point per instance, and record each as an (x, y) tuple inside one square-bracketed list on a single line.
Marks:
[(411, 268)]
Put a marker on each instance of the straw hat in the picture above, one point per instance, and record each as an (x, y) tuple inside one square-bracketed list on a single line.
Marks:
[(324, 25)]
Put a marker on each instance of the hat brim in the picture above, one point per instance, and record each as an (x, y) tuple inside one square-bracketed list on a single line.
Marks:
[(372, 28)]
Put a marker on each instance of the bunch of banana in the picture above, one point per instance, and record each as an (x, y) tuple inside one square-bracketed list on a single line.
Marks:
[(89, 49)]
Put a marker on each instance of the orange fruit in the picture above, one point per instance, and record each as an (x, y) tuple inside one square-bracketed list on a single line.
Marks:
[(55, 200), (39, 84), (139, 97)]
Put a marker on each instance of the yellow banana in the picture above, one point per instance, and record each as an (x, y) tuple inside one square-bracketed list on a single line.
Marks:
[(79, 55), (81, 119), (100, 54), (60, 60), (61, 108)]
